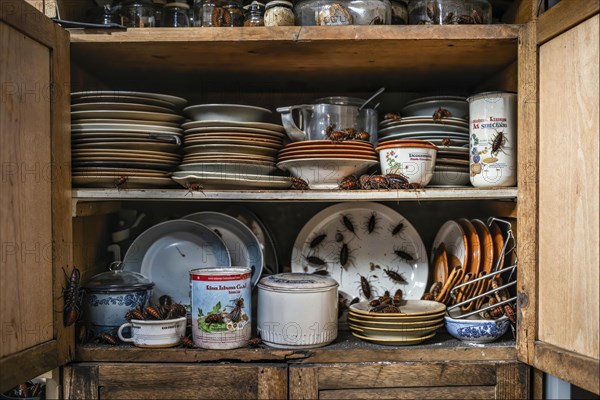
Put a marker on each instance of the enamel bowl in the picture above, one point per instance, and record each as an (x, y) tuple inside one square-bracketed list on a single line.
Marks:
[(414, 159), (473, 329)]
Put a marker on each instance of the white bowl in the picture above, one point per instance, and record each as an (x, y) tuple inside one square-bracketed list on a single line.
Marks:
[(473, 329), (227, 112), (325, 173), (411, 158)]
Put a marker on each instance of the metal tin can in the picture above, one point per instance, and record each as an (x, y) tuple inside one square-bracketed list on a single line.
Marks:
[(298, 311), (221, 309), (493, 139)]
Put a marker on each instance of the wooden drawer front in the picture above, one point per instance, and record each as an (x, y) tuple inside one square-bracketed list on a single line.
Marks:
[(181, 381), (409, 381)]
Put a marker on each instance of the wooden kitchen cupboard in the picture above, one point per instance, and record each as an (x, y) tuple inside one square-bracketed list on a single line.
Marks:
[(550, 61)]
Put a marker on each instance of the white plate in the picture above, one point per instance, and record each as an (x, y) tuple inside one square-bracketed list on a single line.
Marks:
[(149, 146), (408, 309), (244, 248), (420, 128), (222, 182), (240, 129), (200, 143), (394, 342), (102, 123), (228, 112), (376, 248), (437, 140), (167, 252), (176, 101), (119, 106), (258, 168), (229, 148), (132, 182), (397, 334), (458, 108), (229, 124), (121, 99), (454, 239), (450, 178), (135, 115), (427, 120), (431, 98)]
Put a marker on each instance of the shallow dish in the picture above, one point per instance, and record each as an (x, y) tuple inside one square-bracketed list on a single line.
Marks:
[(136, 115), (119, 106), (418, 318), (233, 124), (227, 112), (238, 167), (408, 308), (325, 173), (365, 322), (398, 334), (116, 94), (415, 129), (394, 342)]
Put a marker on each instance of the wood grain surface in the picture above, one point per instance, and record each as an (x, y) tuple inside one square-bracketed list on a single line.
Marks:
[(569, 250), (304, 383), (512, 381), (416, 393), (563, 16)]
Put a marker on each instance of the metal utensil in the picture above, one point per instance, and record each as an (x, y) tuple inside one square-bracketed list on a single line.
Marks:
[(377, 93)]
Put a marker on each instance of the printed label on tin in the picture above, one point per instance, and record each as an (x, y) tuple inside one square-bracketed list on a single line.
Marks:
[(221, 310)]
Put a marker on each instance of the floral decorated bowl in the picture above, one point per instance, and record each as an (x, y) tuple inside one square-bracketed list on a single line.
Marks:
[(476, 330), (111, 294), (415, 159)]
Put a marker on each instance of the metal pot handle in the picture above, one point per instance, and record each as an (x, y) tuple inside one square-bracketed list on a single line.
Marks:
[(120, 332), (287, 118)]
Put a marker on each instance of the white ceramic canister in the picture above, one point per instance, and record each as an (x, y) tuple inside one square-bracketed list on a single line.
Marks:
[(493, 139), (221, 307), (298, 311)]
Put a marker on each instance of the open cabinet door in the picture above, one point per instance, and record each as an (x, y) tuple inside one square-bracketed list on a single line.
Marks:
[(563, 311), (35, 199)]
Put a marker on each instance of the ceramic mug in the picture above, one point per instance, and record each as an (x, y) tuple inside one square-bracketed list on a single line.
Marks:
[(154, 334)]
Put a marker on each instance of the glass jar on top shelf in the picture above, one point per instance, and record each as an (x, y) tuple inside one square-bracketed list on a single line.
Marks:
[(138, 14), (218, 13), (399, 12), (371, 12), (175, 15), (254, 14), (323, 12), (449, 12)]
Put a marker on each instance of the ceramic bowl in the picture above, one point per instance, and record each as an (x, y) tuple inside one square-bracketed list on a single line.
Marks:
[(323, 173), (154, 334), (473, 329), (414, 159), (227, 112)]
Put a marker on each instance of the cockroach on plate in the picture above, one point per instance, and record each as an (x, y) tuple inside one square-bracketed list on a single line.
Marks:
[(317, 240), (403, 255), (344, 255), (72, 298), (339, 237), (371, 223), (348, 224), (397, 229), (373, 266), (321, 272), (395, 276), (298, 184), (397, 298), (365, 287), (314, 260)]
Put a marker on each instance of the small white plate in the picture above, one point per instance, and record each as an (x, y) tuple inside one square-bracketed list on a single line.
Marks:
[(394, 342), (119, 106), (396, 334), (228, 112), (135, 115), (419, 128), (220, 124), (121, 99), (176, 101), (365, 250)]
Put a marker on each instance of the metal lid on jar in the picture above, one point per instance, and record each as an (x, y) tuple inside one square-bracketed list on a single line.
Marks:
[(297, 282), (117, 280), (279, 3)]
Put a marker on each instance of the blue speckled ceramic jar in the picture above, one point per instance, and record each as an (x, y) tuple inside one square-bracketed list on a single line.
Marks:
[(111, 294)]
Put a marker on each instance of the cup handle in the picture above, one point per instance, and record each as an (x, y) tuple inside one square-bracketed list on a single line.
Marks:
[(120, 332), (287, 118)]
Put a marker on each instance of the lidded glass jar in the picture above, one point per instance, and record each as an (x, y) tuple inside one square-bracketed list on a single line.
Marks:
[(371, 12), (279, 13), (447, 12), (159, 5), (323, 12), (175, 15), (138, 14), (399, 12), (254, 15)]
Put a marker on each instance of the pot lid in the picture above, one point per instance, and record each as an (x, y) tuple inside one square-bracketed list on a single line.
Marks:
[(115, 279), (297, 282)]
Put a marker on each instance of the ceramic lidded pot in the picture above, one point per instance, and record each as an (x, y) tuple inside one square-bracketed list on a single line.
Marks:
[(109, 295), (297, 311)]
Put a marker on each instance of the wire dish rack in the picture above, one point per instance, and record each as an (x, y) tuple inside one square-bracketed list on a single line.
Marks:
[(471, 294)]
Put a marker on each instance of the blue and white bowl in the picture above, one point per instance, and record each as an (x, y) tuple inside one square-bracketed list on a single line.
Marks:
[(476, 330)]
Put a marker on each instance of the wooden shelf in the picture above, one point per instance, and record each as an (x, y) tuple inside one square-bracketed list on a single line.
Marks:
[(467, 193), (297, 58), (346, 348)]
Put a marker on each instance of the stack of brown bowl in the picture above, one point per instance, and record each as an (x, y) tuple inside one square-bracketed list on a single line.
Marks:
[(324, 163), (416, 322)]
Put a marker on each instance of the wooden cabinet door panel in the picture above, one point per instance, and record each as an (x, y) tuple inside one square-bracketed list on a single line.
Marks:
[(35, 233)]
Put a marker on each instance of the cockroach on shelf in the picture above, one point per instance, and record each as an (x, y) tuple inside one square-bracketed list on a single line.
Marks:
[(255, 342), (120, 181), (108, 338), (187, 342), (194, 187), (298, 183)]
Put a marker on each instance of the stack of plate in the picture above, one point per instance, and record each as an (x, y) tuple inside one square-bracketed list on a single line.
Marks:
[(324, 163), (417, 321), (124, 139), (236, 151), (450, 134)]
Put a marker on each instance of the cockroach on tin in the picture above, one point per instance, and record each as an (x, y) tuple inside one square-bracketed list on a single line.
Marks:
[(395, 276), (317, 240), (236, 313), (72, 298), (498, 143), (213, 319)]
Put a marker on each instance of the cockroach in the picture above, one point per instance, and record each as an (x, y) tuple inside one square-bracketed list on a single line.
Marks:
[(314, 260), (348, 224), (135, 314), (298, 183), (403, 255), (373, 266), (374, 302), (336, 136), (120, 181), (365, 287), (187, 342), (354, 300), (339, 237), (152, 313), (397, 298), (446, 142), (82, 333), (498, 143), (236, 313), (371, 223), (305, 268), (214, 318), (441, 113), (219, 234), (448, 20), (476, 18), (176, 311), (397, 181), (322, 272), (465, 20), (165, 300), (397, 229), (72, 298), (255, 342), (389, 309), (393, 116), (364, 136), (344, 255), (108, 338), (317, 240), (510, 313), (395, 276), (350, 182), (194, 187)]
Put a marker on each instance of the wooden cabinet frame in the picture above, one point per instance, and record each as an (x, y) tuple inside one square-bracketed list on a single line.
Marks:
[(520, 71)]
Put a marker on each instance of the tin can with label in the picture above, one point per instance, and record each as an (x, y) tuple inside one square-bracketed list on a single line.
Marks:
[(493, 139), (221, 309)]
